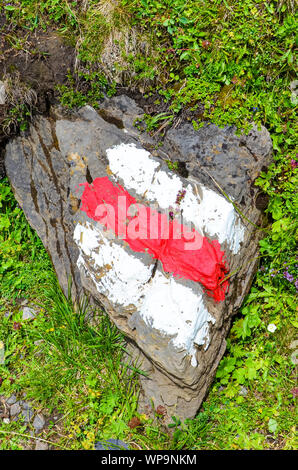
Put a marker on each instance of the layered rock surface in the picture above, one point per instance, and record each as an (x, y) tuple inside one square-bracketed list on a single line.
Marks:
[(176, 328)]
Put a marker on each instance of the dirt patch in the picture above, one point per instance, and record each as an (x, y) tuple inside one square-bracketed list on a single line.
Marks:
[(39, 61)]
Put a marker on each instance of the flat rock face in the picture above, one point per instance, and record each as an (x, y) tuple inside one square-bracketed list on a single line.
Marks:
[(153, 247), (234, 162)]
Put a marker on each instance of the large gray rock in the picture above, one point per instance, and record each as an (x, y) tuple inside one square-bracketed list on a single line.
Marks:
[(233, 161), (176, 331)]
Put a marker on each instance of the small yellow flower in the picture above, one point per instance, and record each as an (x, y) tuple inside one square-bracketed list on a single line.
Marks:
[(144, 417)]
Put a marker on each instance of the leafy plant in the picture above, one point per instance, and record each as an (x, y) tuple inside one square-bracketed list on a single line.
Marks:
[(229, 63), (23, 260)]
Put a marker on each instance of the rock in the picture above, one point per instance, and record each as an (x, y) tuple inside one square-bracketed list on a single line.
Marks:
[(2, 93), (38, 422), (294, 357), (219, 156), (294, 92), (27, 413), (15, 409), (171, 299), (28, 313), (111, 444), (24, 404), (11, 400), (121, 111), (2, 353), (40, 445), (124, 113)]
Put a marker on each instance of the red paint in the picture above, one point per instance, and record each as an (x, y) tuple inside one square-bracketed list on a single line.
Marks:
[(204, 264)]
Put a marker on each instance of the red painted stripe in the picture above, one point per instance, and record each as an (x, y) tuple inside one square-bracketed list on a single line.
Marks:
[(159, 239)]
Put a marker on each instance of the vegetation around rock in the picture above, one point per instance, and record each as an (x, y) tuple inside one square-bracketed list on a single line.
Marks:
[(225, 62)]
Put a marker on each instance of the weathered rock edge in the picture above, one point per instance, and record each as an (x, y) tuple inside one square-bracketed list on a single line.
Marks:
[(44, 180)]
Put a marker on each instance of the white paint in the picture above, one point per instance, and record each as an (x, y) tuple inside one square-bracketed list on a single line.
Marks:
[(213, 215), (2, 93), (163, 303), (164, 189), (138, 171)]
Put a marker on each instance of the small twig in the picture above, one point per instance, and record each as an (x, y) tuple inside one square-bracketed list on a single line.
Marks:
[(62, 417), (232, 202), (177, 123)]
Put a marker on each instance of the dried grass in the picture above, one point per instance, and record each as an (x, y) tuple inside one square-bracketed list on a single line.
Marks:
[(118, 43), (19, 97)]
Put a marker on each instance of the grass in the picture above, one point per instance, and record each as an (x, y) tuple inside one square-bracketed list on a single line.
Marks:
[(24, 264), (227, 62), (64, 364)]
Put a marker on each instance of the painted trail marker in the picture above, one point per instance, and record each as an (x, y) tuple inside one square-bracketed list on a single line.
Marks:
[(152, 247)]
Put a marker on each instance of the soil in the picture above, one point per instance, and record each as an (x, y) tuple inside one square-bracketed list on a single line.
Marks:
[(42, 61)]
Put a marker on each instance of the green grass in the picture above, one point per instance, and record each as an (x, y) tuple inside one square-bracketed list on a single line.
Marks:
[(228, 62), (68, 365)]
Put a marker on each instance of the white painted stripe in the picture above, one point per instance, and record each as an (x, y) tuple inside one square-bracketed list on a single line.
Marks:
[(123, 276), (212, 215), (164, 189), (163, 303)]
